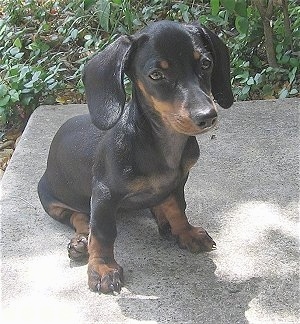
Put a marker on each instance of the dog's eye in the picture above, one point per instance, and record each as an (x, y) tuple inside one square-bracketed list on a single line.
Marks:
[(156, 75), (205, 64)]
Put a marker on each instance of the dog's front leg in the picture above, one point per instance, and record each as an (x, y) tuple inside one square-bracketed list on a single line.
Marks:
[(104, 274), (171, 214)]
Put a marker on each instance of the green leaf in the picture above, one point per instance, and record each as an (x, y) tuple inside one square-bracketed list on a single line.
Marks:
[(267, 89), (279, 48), (24, 71), (14, 95), (104, 12), (18, 43), (243, 77), (292, 74), (36, 76), (283, 93), (228, 4), (13, 51), (19, 55), (294, 62), (241, 24), (3, 90), (2, 28), (185, 16), (52, 85), (258, 78), (246, 89), (89, 3), (4, 100), (215, 7), (241, 8), (29, 84), (293, 91), (26, 100), (2, 116), (285, 59), (46, 26), (74, 33), (250, 81)]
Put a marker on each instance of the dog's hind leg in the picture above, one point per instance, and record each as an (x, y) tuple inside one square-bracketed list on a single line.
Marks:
[(77, 247)]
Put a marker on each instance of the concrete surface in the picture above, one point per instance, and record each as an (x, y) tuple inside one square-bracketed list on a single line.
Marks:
[(244, 191)]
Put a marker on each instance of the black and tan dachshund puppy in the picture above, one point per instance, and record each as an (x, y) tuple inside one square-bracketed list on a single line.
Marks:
[(136, 155)]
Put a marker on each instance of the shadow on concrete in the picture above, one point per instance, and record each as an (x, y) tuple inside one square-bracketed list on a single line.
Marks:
[(244, 191)]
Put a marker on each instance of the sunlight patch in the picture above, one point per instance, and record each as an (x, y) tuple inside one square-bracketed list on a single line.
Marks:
[(256, 232)]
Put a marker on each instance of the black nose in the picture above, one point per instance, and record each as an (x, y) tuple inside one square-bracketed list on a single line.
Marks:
[(206, 119)]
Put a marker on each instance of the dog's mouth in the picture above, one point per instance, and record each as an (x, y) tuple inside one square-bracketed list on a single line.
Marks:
[(185, 125)]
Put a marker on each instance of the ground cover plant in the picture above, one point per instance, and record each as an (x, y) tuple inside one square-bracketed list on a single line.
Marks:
[(44, 45)]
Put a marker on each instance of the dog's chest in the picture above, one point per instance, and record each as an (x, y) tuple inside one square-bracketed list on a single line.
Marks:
[(154, 181), (147, 191)]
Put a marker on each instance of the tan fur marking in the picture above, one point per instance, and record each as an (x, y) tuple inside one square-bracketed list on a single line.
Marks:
[(102, 266), (96, 250), (145, 93), (175, 216), (195, 239), (197, 55), (160, 106), (142, 183), (80, 222), (164, 64), (173, 114), (163, 107)]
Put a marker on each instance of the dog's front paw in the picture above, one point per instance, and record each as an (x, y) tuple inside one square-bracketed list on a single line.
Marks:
[(105, 277), (196, 239), (77, 248)]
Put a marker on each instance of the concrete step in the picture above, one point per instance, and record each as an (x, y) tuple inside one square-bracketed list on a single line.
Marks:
[(244, 190)]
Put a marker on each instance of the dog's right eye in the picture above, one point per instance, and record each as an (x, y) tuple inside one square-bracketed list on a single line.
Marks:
[(156, 75)]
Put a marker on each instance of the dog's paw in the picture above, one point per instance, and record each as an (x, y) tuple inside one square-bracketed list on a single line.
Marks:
[(196, 239), (105, 278), (77, 248)]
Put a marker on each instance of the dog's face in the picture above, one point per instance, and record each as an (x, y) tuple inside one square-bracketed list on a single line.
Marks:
[(178, 70), (173, 74)]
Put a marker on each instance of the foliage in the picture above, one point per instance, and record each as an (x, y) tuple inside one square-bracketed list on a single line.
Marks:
[(253, 77), (45, 43)]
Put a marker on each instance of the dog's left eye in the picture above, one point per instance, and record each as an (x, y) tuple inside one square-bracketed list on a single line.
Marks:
[(205, 64), (156, 75)]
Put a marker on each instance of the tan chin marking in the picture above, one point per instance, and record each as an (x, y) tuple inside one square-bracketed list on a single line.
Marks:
[(183, 125)]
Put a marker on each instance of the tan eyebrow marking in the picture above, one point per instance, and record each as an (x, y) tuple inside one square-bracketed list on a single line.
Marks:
[(197, 55), (164, 64)]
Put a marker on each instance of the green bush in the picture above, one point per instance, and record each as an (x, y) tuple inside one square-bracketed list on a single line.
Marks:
[(44, 45)]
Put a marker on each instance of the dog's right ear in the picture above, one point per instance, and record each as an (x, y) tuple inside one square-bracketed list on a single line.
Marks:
[(103, 80)]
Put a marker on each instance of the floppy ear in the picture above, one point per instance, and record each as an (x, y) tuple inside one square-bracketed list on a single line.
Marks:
[(220, 79), (103, 80)]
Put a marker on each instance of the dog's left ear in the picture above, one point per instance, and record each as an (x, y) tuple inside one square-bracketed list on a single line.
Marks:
[(220, 80), (103, 80)]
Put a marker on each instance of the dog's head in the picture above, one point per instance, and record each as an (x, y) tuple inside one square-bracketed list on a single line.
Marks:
[(177, 69)]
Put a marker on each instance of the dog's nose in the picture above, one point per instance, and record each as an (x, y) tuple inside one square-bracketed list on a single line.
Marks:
[(206, 119)]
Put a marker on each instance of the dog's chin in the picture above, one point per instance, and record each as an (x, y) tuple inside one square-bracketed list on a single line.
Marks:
[(192, 130), (186, 126)]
